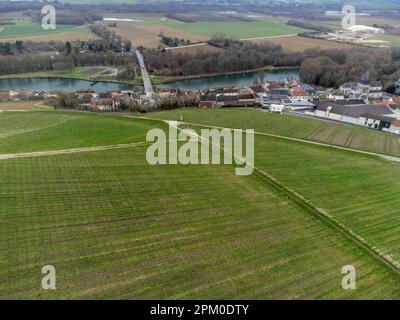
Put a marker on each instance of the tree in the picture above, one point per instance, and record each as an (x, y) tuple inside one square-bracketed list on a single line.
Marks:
[(68, 48)]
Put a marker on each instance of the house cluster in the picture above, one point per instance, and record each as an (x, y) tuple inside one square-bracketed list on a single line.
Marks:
[(273, 96), (362, 103), (227, 97), (292, 96), (103, 101), (380, 115), (116, 100), (364, 89)]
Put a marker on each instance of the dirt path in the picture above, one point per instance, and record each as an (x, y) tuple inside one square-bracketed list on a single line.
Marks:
[(188, 46), (69, 151), (271, 37)]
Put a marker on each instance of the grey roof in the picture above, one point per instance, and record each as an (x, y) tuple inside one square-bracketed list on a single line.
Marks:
[(323, 105), (208, 97), (349, 85), (307, 87), (377, 117), (355, 111), (303, 104), (376, 84), (223, 98)]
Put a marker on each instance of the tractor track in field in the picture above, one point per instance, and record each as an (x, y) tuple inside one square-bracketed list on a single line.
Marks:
[(69, 151), (306, 204), (321, 144)]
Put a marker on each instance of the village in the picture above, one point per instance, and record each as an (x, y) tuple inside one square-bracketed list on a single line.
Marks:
[(362, 103)]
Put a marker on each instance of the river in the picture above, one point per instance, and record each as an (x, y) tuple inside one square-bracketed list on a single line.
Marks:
[(238, 79), (61, 84)]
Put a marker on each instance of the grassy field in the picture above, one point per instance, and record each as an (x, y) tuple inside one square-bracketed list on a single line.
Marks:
[(388, 40), (115, 227), (25, 27), (358, 190), (238, 29), (24, 105), (54, 131), (292, 126), (298, 44)]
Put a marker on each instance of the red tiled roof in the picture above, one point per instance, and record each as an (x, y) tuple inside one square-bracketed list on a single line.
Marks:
[(300, 93)]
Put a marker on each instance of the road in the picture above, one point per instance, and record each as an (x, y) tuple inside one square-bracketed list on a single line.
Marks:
[(148, 88)]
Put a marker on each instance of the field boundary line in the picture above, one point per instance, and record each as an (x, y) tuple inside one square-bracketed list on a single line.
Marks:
[(321, 144), (70, 151), (187, 46), (320, 213), (269, 37)]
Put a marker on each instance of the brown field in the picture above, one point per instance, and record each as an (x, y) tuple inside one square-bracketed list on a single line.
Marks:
[(147, 35), (70, 35), (23, 105), (12, 15), (296, 43)]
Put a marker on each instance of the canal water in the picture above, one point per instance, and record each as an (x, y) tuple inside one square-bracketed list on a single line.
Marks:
[(61, 84), (239, 79)]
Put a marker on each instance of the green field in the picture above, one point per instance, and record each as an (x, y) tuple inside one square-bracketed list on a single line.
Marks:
[(27, 28), (292, 126), (116, 227), (238, 29)]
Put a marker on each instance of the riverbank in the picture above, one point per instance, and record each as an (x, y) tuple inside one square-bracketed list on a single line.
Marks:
[(207, 75), (91, 73)]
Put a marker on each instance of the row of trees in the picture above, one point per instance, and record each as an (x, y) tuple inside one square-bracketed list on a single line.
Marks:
[(174, 41), (308, 25), (109, 40), (37, 62)]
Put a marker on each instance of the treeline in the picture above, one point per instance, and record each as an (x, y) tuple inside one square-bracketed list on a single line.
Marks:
[(328, 68), (237, 56), (389, 29), (308, 25), (7, 48), (33, 63), (331, 68), (69, 17), (174, 41), (110, 40), (176, 103)]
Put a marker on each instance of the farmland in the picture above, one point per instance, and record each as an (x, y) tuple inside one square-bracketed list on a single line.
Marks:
[(145, 28), (116, 227), (81, 33), (297, 43), (351, 187), (292, 126), (25, 29), (238, 29)]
